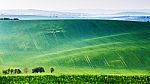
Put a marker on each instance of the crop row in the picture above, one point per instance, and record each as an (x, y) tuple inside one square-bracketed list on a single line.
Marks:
[(74, 79)]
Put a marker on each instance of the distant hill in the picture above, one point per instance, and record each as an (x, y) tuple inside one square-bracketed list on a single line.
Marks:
[(33, 14), (104, 12), (133, 13)]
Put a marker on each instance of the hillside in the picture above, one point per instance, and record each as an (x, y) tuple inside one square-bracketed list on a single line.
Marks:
[(77, 44)]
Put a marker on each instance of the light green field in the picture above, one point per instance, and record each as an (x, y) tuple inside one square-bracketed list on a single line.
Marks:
[(76, 46)]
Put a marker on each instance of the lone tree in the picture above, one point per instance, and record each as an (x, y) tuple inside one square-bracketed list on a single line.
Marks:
[(52, 70)]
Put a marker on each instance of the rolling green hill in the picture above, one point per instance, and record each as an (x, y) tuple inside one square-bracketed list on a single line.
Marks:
[(79, 45)]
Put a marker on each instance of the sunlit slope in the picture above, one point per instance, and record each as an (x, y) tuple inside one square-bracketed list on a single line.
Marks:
[(75, 43)]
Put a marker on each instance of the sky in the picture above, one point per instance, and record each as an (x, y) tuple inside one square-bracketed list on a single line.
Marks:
[(74, 4)]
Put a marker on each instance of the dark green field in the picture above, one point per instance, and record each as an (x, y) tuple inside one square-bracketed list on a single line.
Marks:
[(76, 46), (75, 79)]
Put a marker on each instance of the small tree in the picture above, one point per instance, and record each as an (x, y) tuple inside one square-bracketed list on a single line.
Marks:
[(52, 70), (25, 70), (11, 71), (16, 19)]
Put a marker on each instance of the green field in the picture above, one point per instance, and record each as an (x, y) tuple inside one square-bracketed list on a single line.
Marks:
[(76, 46)]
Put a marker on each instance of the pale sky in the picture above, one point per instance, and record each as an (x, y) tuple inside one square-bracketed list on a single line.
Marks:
[(74, 4)]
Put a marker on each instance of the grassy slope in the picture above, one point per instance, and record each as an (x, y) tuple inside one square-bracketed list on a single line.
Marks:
[(82, 45)]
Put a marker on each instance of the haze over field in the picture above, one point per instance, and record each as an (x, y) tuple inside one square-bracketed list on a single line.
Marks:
[(33, 14)]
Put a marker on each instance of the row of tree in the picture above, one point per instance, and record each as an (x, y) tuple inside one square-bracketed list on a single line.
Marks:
[(25, 70), (11, 71), (9, 19)]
